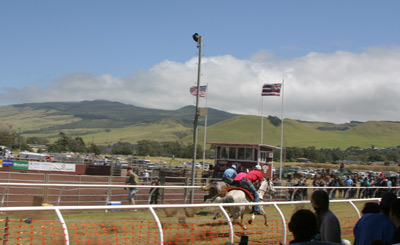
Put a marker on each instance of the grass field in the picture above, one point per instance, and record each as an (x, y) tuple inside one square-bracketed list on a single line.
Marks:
[(180, 226), (304, 134)]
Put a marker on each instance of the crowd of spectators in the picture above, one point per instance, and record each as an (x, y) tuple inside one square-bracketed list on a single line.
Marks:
[(379, 224), (369, 182)]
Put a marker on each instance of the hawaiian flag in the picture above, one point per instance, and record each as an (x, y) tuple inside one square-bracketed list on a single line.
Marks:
[(271, 89), (202, 93)]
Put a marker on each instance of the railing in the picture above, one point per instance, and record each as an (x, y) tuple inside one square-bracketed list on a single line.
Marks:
[(160, 229), (89, 190), (63, 194)]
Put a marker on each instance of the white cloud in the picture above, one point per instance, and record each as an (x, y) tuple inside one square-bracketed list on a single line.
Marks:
[(337, 87)]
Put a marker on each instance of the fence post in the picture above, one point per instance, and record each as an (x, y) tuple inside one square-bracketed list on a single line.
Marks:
[(79, 190), (6, 227), (283, 222), (59, 196), (159, 226), (185, 197), (354, 206), (162, 182), (5, 194), (231, 231), (46, 188), (109, 190), (63, 225)]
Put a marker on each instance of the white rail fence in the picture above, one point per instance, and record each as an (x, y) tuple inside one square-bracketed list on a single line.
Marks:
[(58, 209), (66, 194), (83, 192)]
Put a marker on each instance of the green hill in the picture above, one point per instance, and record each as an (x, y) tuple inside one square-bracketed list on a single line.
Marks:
[(303, 134), (105, 122), (102, 121)]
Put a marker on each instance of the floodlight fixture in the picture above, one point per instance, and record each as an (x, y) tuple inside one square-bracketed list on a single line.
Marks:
[(196, 37)]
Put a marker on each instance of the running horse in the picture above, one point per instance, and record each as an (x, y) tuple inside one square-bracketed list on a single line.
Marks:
[(239, 196), (213, 189)]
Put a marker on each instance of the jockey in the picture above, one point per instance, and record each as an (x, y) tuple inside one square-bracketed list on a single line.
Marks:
[(238, 178), (229, 174), (248, 181)]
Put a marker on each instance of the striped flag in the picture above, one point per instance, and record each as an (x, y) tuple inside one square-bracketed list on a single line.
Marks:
[(202, 93), (271, 89)]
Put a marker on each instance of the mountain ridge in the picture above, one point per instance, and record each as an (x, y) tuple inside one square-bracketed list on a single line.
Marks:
[(106, 122)]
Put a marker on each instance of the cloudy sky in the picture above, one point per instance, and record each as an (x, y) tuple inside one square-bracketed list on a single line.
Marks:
[(339, 60)]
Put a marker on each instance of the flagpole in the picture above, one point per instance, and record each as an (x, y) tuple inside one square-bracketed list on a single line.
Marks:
[(205, 130), (281, 153), (262, 118)]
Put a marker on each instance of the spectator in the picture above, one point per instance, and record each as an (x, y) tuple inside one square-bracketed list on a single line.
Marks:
[(315, 181), (370, 208), (348, 182), (332, 192), (394, 215), (229, 174), (132, 179), (105, 161), (156, 192), (303, 224), (365, 183), (329, 226), (146, 176), (376, 227), (389, 183)]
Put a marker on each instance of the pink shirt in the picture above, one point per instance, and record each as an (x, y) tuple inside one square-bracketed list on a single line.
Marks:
[(240, 176), (254, 175)]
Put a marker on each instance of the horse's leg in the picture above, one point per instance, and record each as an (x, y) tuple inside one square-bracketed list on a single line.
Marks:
[(217, 213), (265, 216), (241, 221), (250, 221)]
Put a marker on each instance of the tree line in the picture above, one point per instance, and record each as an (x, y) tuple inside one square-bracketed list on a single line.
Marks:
[(65, 143)]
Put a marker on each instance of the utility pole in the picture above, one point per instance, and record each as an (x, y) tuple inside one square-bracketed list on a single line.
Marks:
[(198, 39)]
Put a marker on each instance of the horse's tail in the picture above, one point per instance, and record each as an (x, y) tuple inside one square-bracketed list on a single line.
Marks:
[(206, 187), (223, 192), (209, 186)]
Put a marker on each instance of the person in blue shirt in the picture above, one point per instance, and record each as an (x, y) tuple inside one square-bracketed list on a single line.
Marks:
[(376, 226), (348, 181), (229, 174)]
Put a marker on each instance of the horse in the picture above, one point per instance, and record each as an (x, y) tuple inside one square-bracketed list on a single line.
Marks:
[(239, 196), (213, 189)]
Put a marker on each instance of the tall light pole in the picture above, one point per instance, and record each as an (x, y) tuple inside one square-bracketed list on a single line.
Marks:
[(198, 39)]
